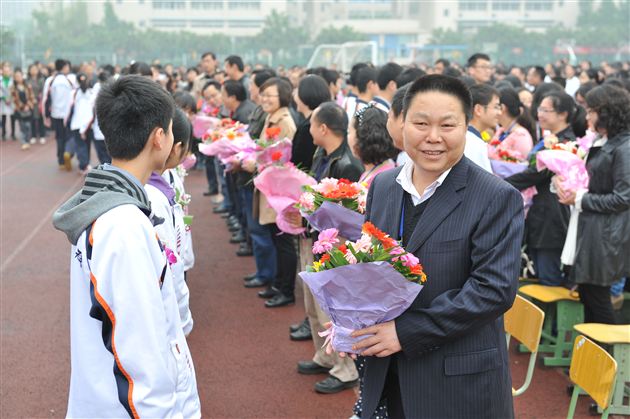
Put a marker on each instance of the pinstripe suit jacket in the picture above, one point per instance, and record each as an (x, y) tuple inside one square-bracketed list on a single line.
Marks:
[(454, 362)]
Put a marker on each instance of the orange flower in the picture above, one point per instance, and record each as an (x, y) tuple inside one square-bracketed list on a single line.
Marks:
[(231, 135), (343, 191), (272, 132), (325, 258), (276, 155), (343, 249)]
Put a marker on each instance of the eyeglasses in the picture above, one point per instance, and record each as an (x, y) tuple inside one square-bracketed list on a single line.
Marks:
[(545, 110), (495, 107), (484, 67), (266, 95)]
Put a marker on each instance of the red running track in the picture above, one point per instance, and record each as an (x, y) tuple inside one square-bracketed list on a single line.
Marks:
[(246, 365)]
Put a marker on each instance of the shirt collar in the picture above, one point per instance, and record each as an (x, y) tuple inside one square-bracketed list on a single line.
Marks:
[(474, 131), (108, 166), (382, 101), (405, 180), (275, 117)]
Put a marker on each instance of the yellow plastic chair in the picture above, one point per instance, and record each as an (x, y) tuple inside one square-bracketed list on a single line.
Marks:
[(524, 321), (592, 370), (563, 310), (617, 336)]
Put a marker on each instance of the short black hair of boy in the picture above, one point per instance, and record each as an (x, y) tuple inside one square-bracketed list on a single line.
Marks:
[(443, 61), (210, 53), (60, 63), (128, 110), (374, 145), (482, 94), (364, 76), (472, 61), (237, 61), (313, 91), (444, 84), (388, 72), (352, 78), (398, 99), (334, 117), (236, 89), (331, 76), (140, 68), (182, 130), (409, 75), (285, 90)]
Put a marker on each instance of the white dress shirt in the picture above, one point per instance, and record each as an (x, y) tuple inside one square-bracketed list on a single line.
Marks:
[(405, 180), (477, 150)]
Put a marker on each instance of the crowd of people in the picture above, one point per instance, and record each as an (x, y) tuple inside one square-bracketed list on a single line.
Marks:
[(353, 126)]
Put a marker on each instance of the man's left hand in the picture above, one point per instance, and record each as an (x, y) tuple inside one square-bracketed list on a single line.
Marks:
[(384, 342)]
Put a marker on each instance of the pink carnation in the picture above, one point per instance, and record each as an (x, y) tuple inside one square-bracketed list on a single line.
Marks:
[(327, 185), (409, 260), (327, 239), (364, 244), (307, 201)]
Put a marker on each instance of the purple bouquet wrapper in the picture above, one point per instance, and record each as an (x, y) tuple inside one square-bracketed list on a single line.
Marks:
[(330, 215), (505, 169), (358, 296)]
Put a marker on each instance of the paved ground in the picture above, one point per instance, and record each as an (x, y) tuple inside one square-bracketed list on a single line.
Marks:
[(245, 362)]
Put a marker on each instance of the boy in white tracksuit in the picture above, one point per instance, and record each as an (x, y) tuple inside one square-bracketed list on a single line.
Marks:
[(128, 351)]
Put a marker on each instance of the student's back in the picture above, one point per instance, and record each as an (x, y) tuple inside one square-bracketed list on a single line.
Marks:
[(129, 355)]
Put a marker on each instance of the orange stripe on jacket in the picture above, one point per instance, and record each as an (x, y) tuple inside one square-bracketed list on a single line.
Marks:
[(112, 318)]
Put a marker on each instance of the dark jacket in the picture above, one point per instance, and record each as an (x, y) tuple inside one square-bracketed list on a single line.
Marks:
[(547, 220), (454, 361), (303, 148), (244, 111), (339, 164), (603, 240)]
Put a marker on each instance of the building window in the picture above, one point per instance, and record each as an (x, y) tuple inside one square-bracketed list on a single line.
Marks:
[(159, 4), (206, 23), (506, 5), (251, 5), (200, 4), (245, 24), (168, 23), (472, 5), (538, 5), (359, 14)]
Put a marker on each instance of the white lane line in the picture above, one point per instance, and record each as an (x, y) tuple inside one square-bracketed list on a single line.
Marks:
[(46, 219)]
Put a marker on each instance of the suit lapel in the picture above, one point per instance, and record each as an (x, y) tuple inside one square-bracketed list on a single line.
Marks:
[(393, 207), (441, 204)]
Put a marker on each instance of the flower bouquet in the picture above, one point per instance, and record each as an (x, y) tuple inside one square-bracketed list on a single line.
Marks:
[(203, 123), (359, 284), (282, 186), (506, 163), (225, 141), (183, 199), (333, 203), (273, 150)]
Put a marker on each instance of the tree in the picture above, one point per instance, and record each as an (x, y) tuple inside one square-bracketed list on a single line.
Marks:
[(332, 35), (279, 35)]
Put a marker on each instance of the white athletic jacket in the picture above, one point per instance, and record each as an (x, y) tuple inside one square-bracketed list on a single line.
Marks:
[(129, 354), (171, 233)]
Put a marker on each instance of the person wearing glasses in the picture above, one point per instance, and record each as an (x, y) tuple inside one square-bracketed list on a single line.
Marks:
[(480, 68), (547, 221)]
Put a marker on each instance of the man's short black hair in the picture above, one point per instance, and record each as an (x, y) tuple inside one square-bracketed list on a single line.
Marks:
[(334, 117), (388, 72), (237, 61), (443, 61), (313, 91), (472, 61), (140, 68), (540, 71), (261, 76), (285, 90), (444, 84), (128, 110), (409, 75), (398, 99), (60, 63), (482, 94), (211, 82), (374, 144), (210, 53), (364, 76), (331, 76), (236, 89)]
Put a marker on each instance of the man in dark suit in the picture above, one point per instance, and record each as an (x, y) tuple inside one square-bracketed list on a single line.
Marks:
[(445, 357)]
